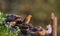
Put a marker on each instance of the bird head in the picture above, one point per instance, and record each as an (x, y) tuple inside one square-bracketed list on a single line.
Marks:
[(28, 18)]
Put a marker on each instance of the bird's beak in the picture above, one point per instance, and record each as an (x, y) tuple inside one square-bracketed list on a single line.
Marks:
[(28, 19)]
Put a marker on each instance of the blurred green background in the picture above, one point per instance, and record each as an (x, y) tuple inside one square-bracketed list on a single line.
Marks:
[(39, 9)]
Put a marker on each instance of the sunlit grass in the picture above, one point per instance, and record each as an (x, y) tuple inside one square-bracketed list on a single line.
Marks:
[(5, 31)]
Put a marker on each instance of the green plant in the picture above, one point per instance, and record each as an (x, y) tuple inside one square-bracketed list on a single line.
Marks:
[(5, 31)]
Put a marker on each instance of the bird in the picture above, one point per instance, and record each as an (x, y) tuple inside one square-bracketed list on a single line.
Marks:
[(24, 27), (27, 19)]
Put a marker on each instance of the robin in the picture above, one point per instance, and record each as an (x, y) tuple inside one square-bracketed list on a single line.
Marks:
[(25, 26)]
